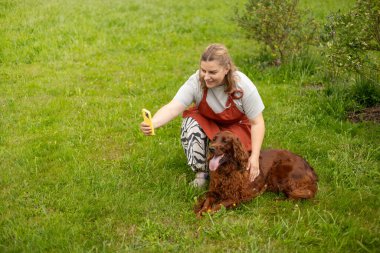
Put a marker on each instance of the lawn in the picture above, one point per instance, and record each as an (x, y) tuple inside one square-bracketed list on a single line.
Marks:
[(77, 175)]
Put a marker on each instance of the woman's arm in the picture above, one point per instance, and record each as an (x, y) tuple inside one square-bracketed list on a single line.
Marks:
[(257, 137), (163, 116)]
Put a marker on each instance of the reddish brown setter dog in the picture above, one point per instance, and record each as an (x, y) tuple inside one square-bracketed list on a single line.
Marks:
[(280, 171)]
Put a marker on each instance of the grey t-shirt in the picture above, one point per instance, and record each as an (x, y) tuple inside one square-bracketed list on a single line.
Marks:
[(250, 104)]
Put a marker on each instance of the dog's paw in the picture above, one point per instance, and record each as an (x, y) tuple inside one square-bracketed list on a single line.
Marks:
[(199, 216)]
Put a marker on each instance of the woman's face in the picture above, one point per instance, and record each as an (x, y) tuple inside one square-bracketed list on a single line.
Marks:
[(213, 73)]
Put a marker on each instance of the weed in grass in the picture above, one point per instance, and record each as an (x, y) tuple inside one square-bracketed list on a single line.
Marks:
[(366, 92)]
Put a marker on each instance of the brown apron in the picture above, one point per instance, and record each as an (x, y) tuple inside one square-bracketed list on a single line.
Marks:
[(231, 119)]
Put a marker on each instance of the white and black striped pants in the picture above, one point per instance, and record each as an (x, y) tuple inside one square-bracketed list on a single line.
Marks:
[(195, 144)]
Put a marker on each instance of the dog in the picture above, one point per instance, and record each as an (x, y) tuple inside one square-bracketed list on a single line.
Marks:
[(280, 171)]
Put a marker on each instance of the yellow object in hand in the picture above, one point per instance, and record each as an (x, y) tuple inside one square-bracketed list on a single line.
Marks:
[(148, 119)]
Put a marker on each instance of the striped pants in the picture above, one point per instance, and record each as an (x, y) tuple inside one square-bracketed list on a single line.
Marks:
[(195, 145)]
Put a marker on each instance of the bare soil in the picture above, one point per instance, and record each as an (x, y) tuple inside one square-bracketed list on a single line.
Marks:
[(367, 114)]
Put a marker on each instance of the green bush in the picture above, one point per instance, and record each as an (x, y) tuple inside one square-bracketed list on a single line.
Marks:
[(352, 40), (351, 45), (284, 30)]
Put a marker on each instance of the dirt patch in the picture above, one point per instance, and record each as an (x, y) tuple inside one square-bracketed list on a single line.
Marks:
[(367, 114), (317, 86)]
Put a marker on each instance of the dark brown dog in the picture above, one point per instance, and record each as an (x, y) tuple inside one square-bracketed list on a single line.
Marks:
[(280, 171)]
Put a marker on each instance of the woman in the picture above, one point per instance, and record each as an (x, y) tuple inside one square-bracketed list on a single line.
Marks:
[(224, 99)]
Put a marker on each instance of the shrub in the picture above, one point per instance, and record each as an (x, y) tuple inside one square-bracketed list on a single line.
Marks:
[(352, 40), (352, 47), (283, 29)]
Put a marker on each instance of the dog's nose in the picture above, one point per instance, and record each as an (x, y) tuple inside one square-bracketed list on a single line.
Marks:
[(212, 149)]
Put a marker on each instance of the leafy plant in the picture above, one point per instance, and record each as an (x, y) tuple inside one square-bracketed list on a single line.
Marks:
[(352, 40), (285, 30)]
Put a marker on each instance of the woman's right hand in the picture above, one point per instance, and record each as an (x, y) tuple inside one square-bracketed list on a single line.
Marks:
[(145, 128), (163, 116)]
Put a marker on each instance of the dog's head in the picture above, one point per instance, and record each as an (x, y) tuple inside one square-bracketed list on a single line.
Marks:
[(226, 147)]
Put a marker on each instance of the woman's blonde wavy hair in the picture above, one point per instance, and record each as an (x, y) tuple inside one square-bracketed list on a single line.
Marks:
[(219, 53)]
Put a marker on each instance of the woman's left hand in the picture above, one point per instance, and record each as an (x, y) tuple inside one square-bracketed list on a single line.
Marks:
[(253, 167)]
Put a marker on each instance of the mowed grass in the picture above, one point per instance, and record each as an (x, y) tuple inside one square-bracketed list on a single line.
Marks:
[(76, 175)]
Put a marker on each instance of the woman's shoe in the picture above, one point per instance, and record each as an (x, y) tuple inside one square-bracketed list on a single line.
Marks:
[(200, 180)]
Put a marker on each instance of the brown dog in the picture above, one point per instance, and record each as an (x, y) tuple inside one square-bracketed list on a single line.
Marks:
[(280, 171)]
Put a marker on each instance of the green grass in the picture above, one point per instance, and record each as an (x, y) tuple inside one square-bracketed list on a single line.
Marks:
[(76, 175)]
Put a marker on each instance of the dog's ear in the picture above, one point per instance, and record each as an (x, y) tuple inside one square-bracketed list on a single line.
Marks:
[(240, 155)]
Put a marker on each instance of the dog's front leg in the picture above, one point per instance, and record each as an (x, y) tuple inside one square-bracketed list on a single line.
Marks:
[(207, 204), (228, 203)]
